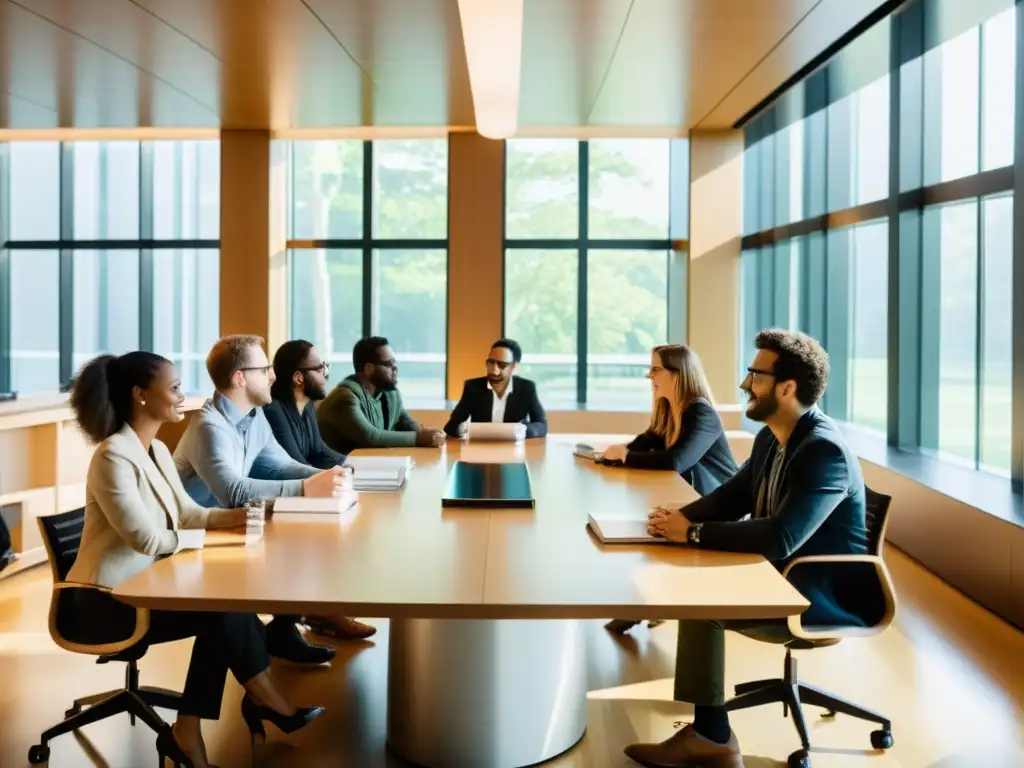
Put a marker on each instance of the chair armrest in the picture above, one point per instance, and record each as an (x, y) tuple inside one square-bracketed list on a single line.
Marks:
[(76, 585), (100, 649), (795, 623), (812, 559)]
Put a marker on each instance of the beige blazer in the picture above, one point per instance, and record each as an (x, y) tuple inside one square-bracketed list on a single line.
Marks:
[(133, 509)]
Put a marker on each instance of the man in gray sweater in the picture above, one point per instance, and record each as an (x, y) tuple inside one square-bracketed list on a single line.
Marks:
[(366, 410), (228, 456)]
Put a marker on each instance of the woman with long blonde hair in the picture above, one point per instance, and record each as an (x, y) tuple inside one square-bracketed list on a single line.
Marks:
[(685, 434)]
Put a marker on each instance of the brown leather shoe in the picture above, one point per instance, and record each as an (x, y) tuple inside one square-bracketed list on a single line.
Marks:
[(341, 628), (688, 749)]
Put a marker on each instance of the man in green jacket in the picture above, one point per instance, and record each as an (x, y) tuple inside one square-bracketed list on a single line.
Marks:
[(365, 410)]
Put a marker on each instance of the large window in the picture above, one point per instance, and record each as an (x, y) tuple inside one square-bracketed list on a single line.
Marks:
[(995, 298), (866, 325), (589, 235), (185, 310), (33, 351), (105, 303), (369, 253), (107, 247), (910, 292)]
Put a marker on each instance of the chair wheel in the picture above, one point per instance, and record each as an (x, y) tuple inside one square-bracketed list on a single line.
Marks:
[(829, 715), (799, 759), (71, 712), (40, 753), (882, 739)]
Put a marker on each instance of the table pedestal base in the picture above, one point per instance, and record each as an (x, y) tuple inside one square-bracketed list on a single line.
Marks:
[(493, 694)]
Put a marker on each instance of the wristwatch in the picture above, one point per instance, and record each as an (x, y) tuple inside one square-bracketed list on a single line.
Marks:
[(693, 533)]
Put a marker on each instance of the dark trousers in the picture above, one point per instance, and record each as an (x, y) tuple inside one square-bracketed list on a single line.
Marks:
[(223, 641), (700, 656)]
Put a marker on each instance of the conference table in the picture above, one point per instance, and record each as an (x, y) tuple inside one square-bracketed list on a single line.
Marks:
[(486, 650)]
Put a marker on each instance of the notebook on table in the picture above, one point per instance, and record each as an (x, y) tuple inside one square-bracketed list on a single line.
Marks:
[(621, 530), (488, 486), (333, 505)]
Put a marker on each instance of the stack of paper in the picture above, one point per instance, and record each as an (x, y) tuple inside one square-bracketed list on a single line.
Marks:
[(333, 505), (379, 473), (382, 480), (621, 530)]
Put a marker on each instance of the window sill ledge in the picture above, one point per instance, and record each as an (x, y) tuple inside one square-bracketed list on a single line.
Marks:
[(987, 493)]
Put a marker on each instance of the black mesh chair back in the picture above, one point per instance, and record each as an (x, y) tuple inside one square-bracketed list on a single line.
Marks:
[(63, 534), (877, 518)]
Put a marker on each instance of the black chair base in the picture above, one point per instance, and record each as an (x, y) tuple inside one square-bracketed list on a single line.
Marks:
[(136, 701), (124, 701), (155, 697), (793, 694)]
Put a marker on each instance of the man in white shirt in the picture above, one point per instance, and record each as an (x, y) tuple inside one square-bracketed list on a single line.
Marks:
[(500, 397)]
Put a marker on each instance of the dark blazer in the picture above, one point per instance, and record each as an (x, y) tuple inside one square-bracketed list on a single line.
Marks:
[(299, 435), (523, 407), (821, 511), (701, 454)]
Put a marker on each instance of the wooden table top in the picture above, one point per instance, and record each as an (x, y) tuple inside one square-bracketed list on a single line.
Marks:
[(402, 555)]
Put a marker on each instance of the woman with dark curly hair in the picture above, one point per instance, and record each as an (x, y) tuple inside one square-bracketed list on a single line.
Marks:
[(135, 506)]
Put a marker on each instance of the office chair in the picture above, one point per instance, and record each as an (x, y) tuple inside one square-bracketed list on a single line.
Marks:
[(62, 534), (792, 693)]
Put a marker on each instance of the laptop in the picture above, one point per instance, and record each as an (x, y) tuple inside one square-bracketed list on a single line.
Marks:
[(486, 432)]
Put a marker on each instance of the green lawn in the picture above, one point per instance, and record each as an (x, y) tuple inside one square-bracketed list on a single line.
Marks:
[(957, 413)]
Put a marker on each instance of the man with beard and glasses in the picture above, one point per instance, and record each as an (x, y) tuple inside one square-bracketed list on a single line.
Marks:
[(366, 411), (300, 380), (228, 456), (500, 396), (800, 493)]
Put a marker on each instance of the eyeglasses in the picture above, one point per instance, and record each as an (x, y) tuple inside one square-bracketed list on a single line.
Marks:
[(265, 369), (757, 373), (323, 368), (502, 364)]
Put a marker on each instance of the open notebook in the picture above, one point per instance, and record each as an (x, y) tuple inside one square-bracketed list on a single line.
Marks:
[(621, 530)]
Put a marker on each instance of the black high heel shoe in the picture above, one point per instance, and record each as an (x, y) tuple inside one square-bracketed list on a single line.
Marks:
[(167, 747), (254, 717)]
